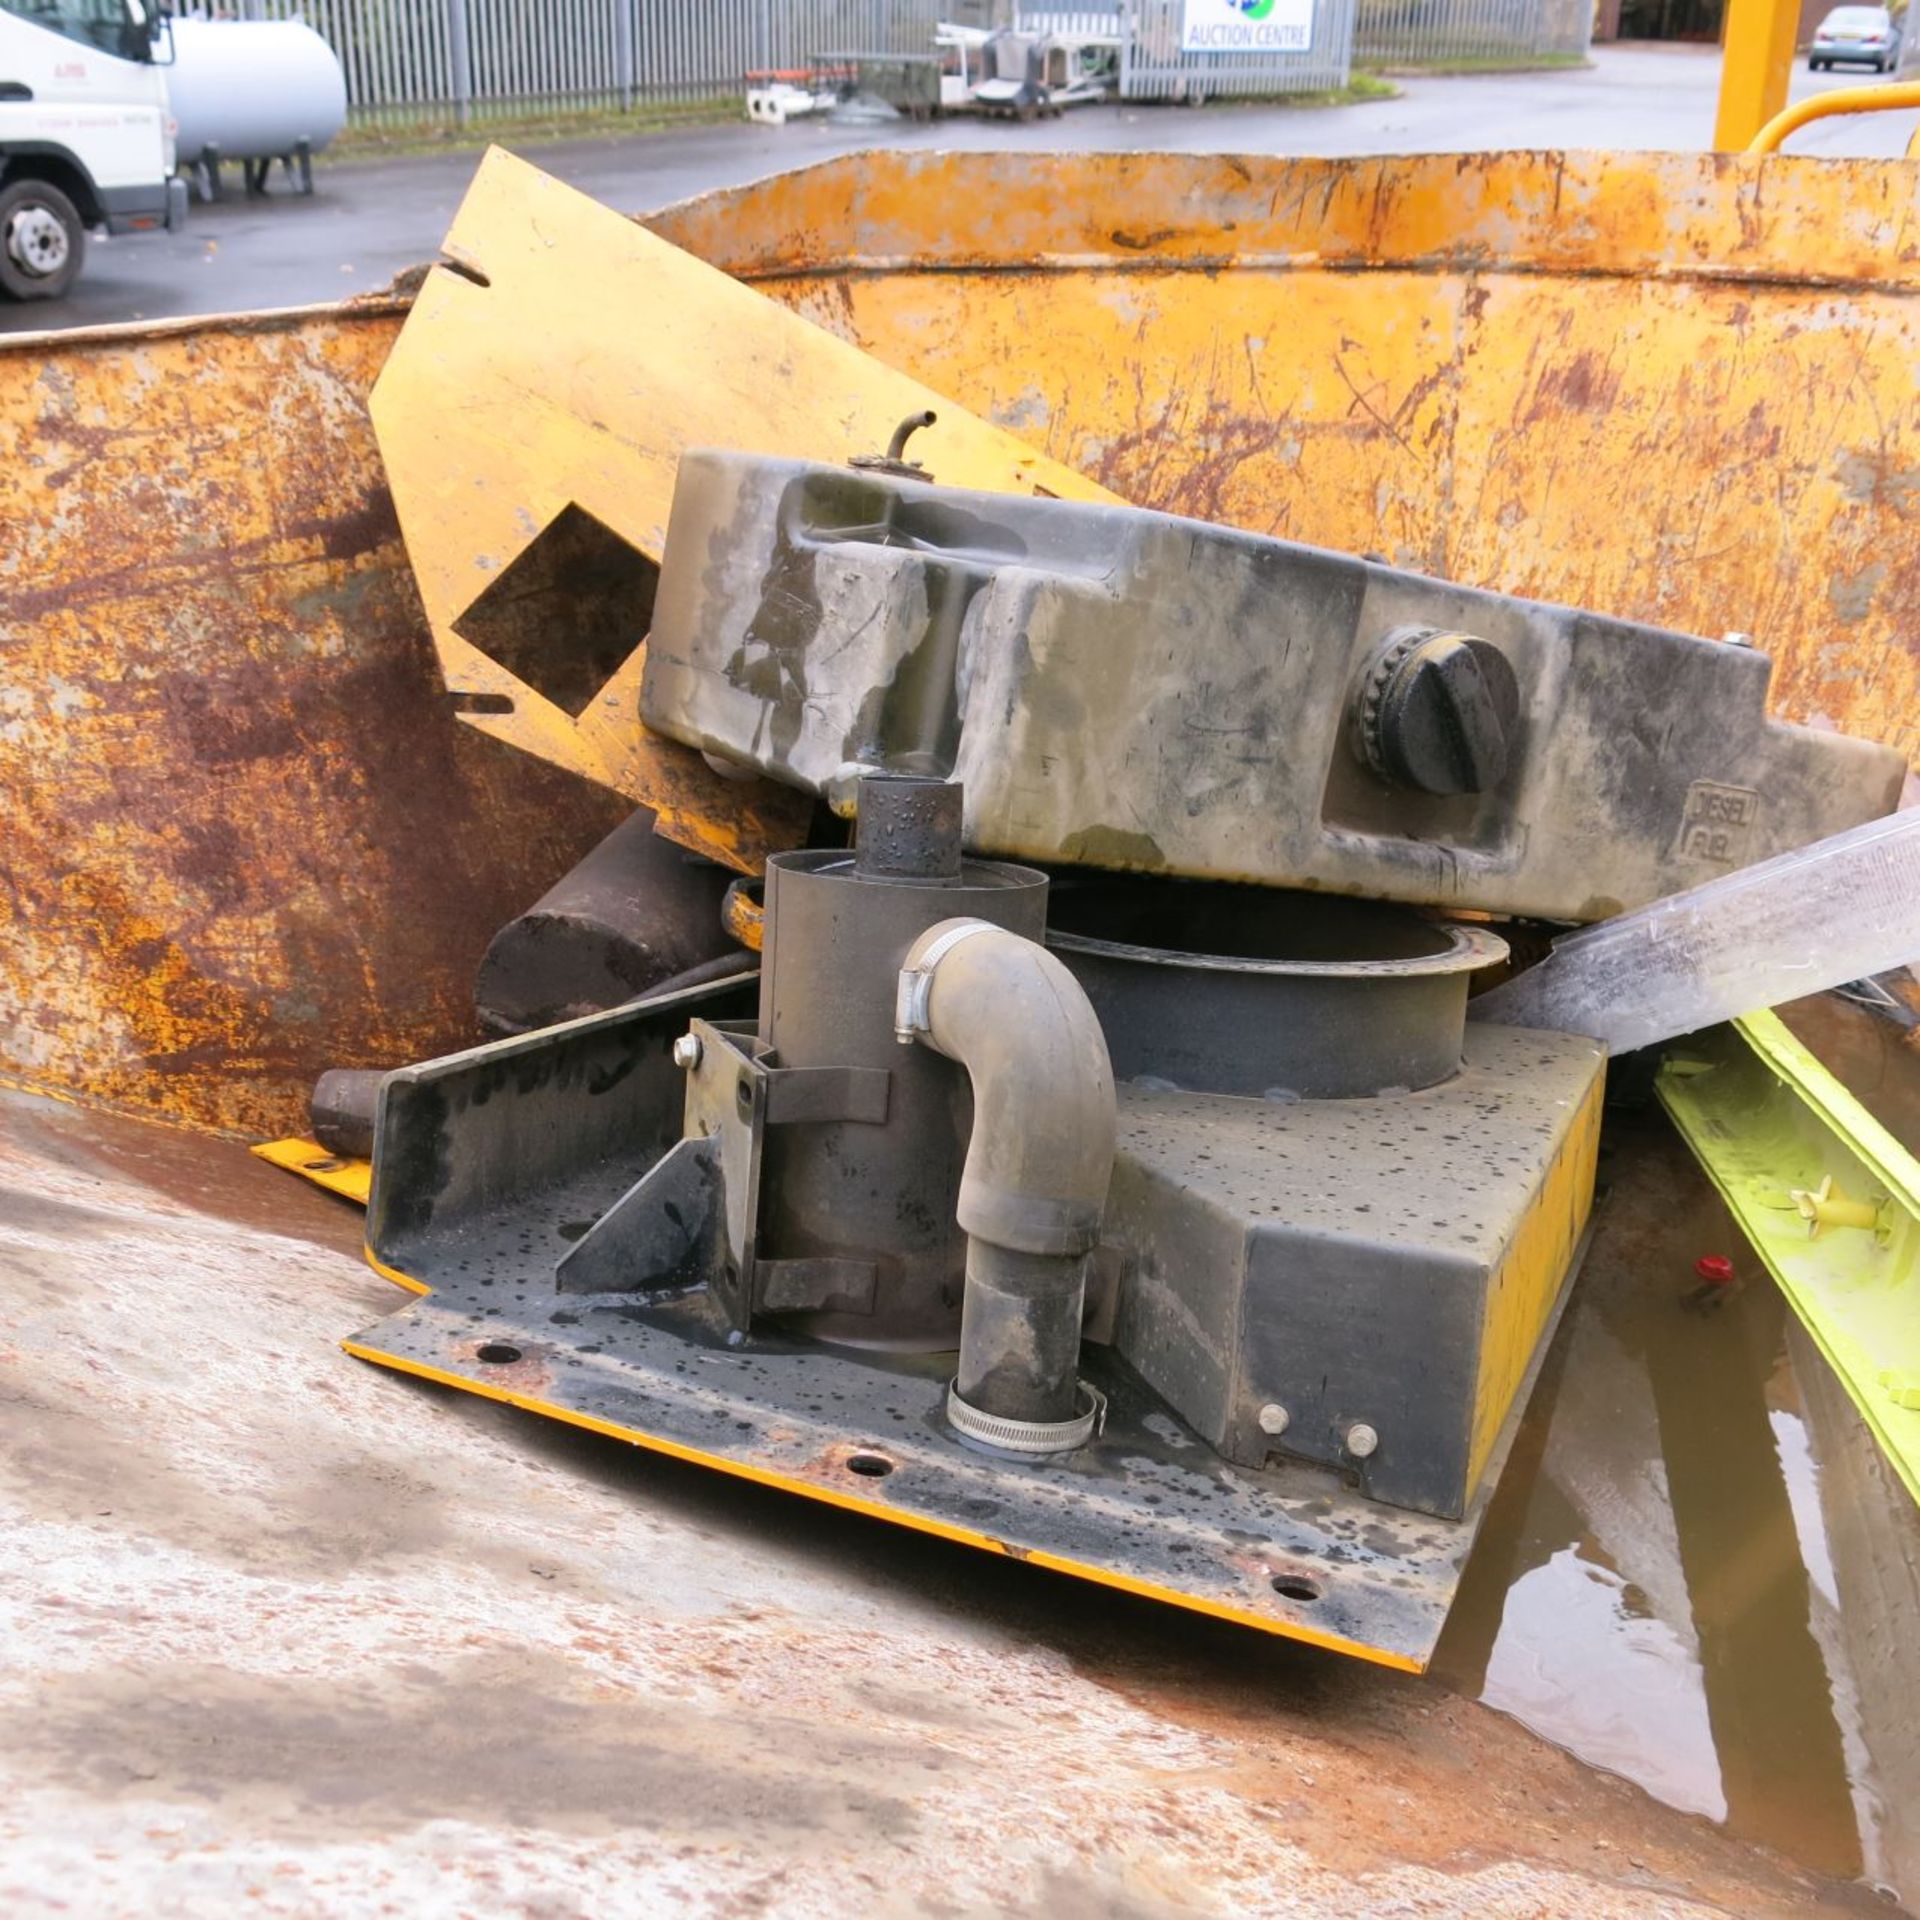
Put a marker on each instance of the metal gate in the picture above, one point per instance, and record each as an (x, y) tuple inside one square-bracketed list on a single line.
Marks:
[(1152, 66)]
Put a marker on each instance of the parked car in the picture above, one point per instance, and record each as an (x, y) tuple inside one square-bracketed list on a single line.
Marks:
[(1863, 34)]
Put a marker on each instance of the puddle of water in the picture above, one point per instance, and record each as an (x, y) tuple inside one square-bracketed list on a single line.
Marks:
[(1638, 1673), (1698, 1572)]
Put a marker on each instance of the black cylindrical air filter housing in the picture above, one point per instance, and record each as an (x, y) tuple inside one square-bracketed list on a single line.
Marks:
[(838, 929)]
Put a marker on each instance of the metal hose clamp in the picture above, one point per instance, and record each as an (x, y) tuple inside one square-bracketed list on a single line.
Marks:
[(916, 982), (1028, 1436)]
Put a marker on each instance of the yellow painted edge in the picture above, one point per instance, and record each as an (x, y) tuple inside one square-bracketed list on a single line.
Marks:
[(350, 1179), (11, 1084), (962, 1536), (394, 1274), (1525, 1286)]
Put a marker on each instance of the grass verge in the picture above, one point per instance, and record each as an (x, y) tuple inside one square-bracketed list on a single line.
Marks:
[(436, 133), (1487, 63), (1360, 86)]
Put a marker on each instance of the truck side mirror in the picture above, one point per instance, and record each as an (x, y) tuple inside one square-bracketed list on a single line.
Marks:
[(159, 25)]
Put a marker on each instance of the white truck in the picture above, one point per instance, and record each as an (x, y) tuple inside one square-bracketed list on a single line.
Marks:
[(86, 135)]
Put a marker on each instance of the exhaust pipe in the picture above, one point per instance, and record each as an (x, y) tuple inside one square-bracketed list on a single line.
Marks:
[(1035, 1181)]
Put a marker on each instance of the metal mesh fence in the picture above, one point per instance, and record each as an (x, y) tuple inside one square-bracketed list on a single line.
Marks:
[(1442, 32), (420, 59)]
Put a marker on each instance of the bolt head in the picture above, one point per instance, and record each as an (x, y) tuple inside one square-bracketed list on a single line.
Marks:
[(1274, 1419), (686, 1052), (1362, 1440)]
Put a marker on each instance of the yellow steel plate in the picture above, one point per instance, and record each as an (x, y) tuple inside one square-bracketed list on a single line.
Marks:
[(337, 1173)]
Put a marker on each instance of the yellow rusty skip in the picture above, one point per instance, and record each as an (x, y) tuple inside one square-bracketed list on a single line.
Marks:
[(247, 839)]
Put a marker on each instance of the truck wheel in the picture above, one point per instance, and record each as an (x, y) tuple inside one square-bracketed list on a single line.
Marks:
[(42, 241)]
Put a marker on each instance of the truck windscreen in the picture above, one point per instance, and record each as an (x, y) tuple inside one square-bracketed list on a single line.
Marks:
[(118, 27)]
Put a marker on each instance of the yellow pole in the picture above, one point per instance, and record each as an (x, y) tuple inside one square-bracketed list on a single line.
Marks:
[(1753, 78)]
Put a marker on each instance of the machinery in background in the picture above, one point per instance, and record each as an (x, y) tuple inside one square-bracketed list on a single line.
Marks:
[(255, 91), (986, 70), (874, 85), (1018, 75), (777, 95)]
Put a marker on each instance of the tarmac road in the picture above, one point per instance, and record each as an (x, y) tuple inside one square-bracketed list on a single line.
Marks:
[(370, 219)]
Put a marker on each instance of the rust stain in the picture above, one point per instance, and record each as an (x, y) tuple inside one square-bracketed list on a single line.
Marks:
[(507, 1365), (1584, 383), (247, 839)]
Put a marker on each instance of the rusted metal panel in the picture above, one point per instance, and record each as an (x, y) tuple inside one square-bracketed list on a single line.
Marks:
[(1675, 387), (245, 839)]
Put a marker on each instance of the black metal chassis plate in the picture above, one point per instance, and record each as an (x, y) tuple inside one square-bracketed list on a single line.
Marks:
[(490, 1164)]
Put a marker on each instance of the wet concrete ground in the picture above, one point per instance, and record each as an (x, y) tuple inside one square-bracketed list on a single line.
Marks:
[(369, 220), (286, 1630)]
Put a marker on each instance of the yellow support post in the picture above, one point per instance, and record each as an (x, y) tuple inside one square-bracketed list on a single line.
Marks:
[(1753, 77), (1889, 97)]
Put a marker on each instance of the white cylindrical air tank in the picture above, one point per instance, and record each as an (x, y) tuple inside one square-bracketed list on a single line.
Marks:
[(253, 88)]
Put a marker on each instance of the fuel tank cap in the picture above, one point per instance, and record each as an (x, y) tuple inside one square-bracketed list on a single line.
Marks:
[(1437, 710)]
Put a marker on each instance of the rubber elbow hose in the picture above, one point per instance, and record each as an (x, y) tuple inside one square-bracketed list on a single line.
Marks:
[(1034, 1185)]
